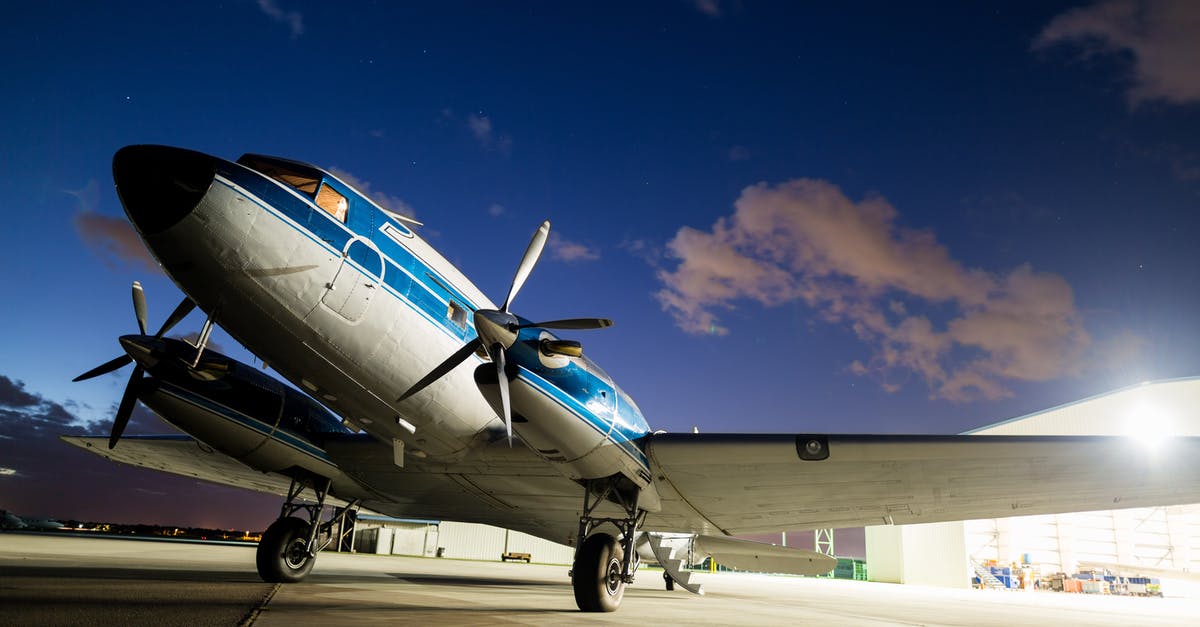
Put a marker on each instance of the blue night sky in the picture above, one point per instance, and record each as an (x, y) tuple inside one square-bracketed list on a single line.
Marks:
[(881, 217)]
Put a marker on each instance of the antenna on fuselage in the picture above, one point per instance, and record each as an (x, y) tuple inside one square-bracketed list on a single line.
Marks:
[(401, 218)]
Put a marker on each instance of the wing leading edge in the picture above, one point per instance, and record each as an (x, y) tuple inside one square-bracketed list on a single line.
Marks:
[(739, 484)]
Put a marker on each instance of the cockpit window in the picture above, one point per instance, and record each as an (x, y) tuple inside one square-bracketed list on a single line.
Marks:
[(333, 202), (591, 367), (298, 178)]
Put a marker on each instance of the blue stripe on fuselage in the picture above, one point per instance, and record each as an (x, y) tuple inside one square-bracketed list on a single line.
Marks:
[(400, 280), (404, 270), (417, 295)]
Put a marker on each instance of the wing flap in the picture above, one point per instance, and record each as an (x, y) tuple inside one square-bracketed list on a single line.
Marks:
[(738, 484)]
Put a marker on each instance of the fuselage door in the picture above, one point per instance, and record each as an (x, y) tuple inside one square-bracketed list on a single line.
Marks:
[(357, 280)]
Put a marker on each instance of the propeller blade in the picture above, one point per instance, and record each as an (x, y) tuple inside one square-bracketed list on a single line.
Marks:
[(184, 308), (497, 353), (528, 262), (572, 324), (126, 407), (446, 366), (105, 368), (139, 306)]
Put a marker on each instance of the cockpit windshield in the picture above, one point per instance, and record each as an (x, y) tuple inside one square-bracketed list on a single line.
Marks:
[(295, 175), (591, 367)]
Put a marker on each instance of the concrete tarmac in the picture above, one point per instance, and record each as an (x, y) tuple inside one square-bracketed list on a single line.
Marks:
[(55, 580)]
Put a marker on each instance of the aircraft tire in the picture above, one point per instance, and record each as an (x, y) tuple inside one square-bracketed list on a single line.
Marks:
[(282, 553), (597, 581)]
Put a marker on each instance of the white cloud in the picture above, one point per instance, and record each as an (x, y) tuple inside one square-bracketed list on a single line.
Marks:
[(965, 331), (495, 210), (87, 197), (383, 199), (1162, 37), (563, 249), (292, 19), (481, 128), (739, 153)]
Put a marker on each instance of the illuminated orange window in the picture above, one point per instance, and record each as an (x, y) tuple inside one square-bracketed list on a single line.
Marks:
[(333, 202)]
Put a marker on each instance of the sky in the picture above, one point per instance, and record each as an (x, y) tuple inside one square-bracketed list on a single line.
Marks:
[(877, 217)]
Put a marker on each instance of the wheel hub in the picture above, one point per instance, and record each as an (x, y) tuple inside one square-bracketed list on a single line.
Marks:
[(296, 553), (612, 579)]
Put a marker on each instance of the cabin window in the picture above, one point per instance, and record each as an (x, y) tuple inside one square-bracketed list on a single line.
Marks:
[(457, 315), (332, 202)]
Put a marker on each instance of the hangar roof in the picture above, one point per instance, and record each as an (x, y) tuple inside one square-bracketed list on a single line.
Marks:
[(1168, 407)]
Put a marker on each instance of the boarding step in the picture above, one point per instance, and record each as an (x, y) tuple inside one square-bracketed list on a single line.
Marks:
[(664, 551)]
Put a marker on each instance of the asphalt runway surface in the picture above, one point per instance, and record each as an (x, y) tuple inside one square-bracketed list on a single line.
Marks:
[(62, 580)]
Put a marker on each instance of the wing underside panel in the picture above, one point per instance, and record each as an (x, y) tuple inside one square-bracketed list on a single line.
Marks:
[(738, 484), (717, 484)]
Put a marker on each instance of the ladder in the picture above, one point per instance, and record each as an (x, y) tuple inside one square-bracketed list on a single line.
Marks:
[(986, 578), (665, 552)]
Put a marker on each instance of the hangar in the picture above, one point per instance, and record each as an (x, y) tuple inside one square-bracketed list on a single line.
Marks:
[(1157, 542)]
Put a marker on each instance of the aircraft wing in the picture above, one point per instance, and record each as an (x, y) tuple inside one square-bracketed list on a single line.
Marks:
[(718, 484), (740, 484), (183, 455), (498, 485)]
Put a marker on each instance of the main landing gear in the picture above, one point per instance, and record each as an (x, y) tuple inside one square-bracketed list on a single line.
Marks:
[(290, 545), (605, 563)]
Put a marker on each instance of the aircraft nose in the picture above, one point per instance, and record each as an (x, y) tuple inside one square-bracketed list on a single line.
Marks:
[(160, 185)]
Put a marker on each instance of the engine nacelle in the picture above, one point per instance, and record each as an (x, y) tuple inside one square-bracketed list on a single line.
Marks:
[(583, 439)]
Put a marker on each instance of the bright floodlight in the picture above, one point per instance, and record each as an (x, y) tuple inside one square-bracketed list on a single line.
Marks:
[(1150, 425)]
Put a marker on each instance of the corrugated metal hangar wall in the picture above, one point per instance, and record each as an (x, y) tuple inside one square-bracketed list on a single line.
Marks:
[(1166, 538)]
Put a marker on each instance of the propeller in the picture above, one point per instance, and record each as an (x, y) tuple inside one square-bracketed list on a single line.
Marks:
[(125, 409), (497, 331)]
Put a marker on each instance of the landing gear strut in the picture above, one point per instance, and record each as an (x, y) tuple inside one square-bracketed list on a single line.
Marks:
[(604, 563), (290, 545)]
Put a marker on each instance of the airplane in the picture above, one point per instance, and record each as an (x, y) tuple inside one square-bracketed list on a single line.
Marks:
[(374, 329)]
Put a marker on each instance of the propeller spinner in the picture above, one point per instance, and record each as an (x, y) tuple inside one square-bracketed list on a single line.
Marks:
[(125, 409), (497, 331)]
